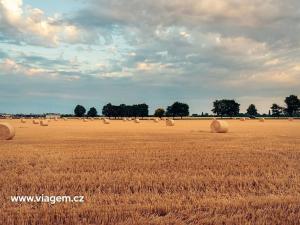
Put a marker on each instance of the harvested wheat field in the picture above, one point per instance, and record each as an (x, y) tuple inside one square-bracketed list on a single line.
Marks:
[(150, 173)]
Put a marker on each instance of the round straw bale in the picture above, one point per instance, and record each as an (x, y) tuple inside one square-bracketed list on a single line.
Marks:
[(85, 120), (242, 119), (44, 123), (156, 120), (137, 121), (7, 131), (170, 122), (261, 119), (106, 121), (23, 120), (124, 119), (36, 121), (219, 126), (291, 119), (129, 119)]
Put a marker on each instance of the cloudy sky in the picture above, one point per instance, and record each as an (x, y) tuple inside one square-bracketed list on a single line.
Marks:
[(55, 54)]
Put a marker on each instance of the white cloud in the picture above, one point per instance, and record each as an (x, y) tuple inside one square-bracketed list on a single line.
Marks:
[(242, 45), (31, 25), (9, 66)]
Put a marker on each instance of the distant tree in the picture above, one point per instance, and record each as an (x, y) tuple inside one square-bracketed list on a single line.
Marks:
[(143, 110), (123, 110), (292, 105), (178, 109), (226, 107), (129, 110), (160, 112), (276, 110), (107, 110), (79, 111), (135, 110), (92, 112), (252, 111)]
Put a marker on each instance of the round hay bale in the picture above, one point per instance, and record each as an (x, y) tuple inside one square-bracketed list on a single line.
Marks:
[(261, 119), (137, 121), (170, 122), (106, 121), (129, 119), (44, 123), (124, 119), (242, 119), (85, 120), (291, 119), (36, 121), (23, 120), (156, 120), (65, 119), (7, 131), (219, 126)]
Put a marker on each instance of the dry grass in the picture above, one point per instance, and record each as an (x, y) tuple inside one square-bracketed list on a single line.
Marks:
[(152, 174)]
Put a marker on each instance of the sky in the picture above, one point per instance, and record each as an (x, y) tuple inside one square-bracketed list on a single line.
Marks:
[(56, 54)]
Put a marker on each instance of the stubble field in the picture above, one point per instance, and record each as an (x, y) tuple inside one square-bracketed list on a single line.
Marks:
[(148, 173)]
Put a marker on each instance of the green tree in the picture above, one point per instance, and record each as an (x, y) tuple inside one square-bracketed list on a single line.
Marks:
[(92, 112), (276, 110), (107, 110), (226, 107), (178, 109), (252, 111), (79, 111), (122, 110), (293, 104), (160, 112), (143, 110)]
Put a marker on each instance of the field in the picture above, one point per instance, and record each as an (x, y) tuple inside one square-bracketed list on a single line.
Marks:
[(148, 173)]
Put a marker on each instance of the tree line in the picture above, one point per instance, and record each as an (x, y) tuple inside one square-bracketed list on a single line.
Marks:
[(224, 107), (231, 108), (137, 110)]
